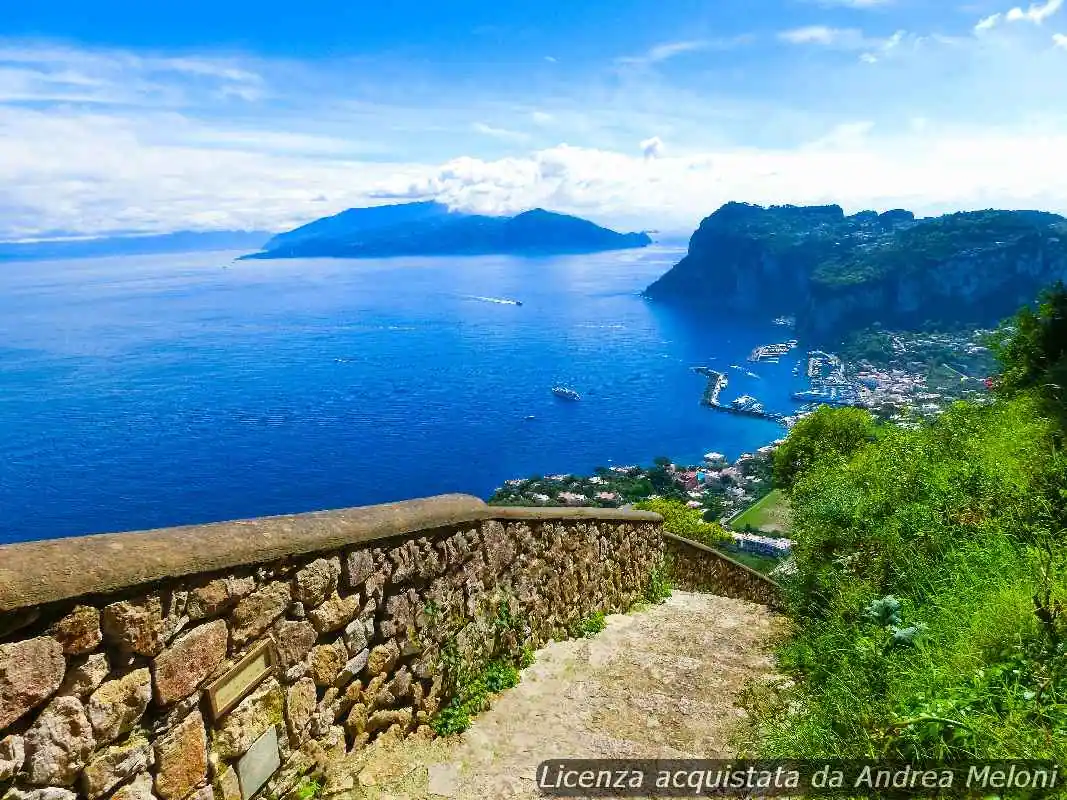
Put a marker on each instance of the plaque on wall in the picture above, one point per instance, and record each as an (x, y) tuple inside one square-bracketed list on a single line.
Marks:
[(259, 763), (233, 687)]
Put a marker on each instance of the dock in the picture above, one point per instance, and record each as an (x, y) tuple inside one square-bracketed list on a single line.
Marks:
[(717, 382)]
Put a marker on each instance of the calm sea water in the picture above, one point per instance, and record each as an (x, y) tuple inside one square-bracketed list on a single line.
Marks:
[(140, 392)]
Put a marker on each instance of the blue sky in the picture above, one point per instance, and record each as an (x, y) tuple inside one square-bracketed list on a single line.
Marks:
[(164, 116)]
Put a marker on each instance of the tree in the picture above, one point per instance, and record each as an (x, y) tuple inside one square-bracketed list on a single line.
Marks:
[(828, 433), (1032, 348), (683, 521)]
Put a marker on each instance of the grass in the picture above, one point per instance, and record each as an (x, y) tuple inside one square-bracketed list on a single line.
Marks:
[(770, 514), (762, 564)]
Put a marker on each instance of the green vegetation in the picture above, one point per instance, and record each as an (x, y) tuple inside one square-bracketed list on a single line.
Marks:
[(606, 488), (768, 515), (1033, 348), (683, 521), (920, 248), (761, 564), (931, 576), (593, 624), (827, 437), (473, 695), (658, 587), (308, 790)]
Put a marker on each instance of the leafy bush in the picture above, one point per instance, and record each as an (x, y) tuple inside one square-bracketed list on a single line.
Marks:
[(929, 564), (828, 434), (681, 520), (593, 624)]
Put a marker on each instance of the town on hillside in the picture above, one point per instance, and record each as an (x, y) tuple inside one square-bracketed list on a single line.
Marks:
[(739, 496)]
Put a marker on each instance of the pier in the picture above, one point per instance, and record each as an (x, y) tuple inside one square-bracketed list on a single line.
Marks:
[(717, 382)]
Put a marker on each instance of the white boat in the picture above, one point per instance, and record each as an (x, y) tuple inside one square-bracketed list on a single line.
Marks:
[(565, 393)]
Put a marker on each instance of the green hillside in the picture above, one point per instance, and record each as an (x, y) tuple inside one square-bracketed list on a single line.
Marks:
[(931, 574)]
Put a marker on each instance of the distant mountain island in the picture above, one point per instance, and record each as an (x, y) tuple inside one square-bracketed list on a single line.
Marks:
[(431, 229), (839, 273), (178, 242)]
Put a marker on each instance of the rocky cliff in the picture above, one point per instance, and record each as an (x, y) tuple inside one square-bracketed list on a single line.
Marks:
[(837, 273)]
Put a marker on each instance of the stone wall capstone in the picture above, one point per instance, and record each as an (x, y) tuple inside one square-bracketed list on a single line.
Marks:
[(109, 644)]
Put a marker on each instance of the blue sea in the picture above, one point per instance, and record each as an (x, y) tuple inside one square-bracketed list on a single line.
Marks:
[(148, 391)]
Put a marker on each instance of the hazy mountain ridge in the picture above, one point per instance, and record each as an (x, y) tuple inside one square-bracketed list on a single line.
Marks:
[(177, 242), (429, 228)]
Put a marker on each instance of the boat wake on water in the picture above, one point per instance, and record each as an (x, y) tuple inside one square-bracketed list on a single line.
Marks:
[(500, 300)]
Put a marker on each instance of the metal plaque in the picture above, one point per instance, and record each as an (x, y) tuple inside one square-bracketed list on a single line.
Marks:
[(261, 761), (230, 689)]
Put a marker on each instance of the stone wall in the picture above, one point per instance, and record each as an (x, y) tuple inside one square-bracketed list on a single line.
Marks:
[(118, 653), (699, 568)]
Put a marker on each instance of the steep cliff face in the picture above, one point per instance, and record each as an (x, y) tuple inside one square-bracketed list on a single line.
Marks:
[(837, 273)]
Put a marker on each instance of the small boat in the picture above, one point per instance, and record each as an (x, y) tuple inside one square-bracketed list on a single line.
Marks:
[(518, 302), (565, 393)]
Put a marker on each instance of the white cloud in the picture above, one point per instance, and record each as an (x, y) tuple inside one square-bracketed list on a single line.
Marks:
[(823, 35), (154, 147), (1060, 40), (652, 147), (663, 52), (550, 59), (1037, 13), (499, 133), (947, 172)]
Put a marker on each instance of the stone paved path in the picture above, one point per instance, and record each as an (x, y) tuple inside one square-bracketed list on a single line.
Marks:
[(659, 683)]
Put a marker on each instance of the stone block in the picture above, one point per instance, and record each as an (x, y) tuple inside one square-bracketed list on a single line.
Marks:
[(181, 758), (355, 636), (383, 658), (294, 640), (257, 612), (115, 765), (249, 720), (352, 667), (135, 626), (326, 662), (218, 596), (118, 705), (180, 669), (300, 702), (334, 613), (227, 785), (140, 788), (317, 581), (85, 675), (79, 631), (386, 718), (262, 760), (12, 754), (49, 793), (358, 567), (58, 744), (30, 671)]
